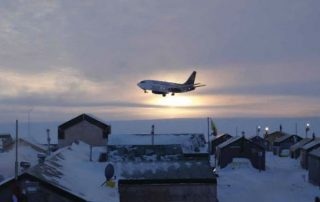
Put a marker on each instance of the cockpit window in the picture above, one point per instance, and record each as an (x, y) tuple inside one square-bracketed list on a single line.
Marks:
[(142, 81)]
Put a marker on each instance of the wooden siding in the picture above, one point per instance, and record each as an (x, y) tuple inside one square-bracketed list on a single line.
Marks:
[(83, 131)]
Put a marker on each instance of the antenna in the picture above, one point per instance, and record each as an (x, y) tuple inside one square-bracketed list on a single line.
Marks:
[(16, 162)]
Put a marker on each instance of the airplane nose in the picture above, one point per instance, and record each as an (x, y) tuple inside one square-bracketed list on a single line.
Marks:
[(139, 84)]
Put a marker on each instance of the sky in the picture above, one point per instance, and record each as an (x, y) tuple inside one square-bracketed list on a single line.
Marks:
[(60, 58)]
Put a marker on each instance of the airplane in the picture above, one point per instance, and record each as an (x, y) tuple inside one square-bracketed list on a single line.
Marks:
[(164, 87)]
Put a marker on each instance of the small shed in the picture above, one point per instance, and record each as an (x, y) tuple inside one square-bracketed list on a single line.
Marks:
[(260, 141), (240, 147), (314, 167), (284, 143), (218, 140), (84, 128), (295, 149), (306, 149), (5, 141)]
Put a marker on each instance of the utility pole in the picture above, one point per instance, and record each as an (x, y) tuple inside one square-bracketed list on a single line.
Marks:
[(208, 121), (152, 134), (16, 162), (29, 120), (48, 139)]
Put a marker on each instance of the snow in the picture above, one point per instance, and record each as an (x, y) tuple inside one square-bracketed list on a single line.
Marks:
[(227, 142), (179, 125), (283, 180), (7, 159), (190, 143), (70, 169)]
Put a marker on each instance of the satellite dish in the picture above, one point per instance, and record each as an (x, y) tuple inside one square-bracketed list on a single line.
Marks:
[(109, 171)]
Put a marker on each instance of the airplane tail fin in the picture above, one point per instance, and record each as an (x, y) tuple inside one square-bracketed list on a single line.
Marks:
[(191, 78)]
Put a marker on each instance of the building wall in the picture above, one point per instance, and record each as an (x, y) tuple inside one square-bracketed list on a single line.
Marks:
[(218, 141), (168, 192), (314, 170), (305, 156), (287, 144), (235, 150), (261, 142), (83, 131), (41, 195)]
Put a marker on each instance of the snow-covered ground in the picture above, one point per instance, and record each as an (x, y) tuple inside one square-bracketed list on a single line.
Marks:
[(283, 181)]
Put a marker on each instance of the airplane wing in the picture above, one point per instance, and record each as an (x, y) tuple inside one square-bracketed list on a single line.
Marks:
[(195, 85)]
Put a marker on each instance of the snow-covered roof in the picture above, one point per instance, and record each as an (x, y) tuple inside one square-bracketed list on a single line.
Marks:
[(224, 135), (71, 170), (26, 152), (315, 152), (232, 140), (145, 153), (285, 137), (300, 144), (311, 144), (190, 143)]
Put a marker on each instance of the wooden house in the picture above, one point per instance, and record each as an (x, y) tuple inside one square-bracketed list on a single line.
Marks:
[(84, 128), (314, 167), (295, 149), (240, 147), (260, 141), (284, 143), (305, 150), (33, 188), (272, 137), (218, 140)]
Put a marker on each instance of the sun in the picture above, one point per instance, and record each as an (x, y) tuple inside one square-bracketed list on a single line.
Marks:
[(174, 101)]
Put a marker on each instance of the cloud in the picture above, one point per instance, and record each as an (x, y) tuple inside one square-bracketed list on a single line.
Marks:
[(59, 54)]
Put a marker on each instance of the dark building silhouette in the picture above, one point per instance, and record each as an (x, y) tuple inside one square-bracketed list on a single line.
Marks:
[(272, 137), (284, 143), (260, 141), (295, 149), (240, 147), (314, 167), (305, 150), (218, 140)]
